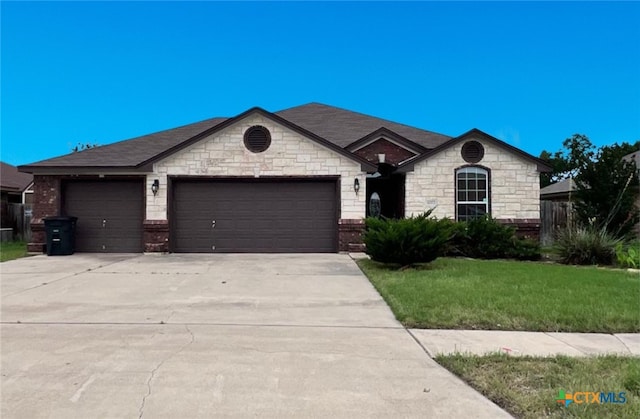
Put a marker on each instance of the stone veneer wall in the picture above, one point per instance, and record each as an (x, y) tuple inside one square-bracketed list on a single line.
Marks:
[(515, 187)]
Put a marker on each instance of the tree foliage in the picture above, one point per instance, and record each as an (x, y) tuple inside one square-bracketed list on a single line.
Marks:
[(577, 151), (85, 146), (608, 190), (607, 186)]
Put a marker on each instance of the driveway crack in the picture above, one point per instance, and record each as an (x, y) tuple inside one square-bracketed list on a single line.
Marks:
[(157, 367)]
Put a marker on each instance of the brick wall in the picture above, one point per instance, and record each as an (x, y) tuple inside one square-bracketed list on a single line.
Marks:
[(350, 235), (394, 154), (156, 235), (46, 203)]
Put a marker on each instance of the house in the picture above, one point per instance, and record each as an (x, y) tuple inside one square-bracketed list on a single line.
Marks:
[(297, 180), (559, 191), (15, 187)]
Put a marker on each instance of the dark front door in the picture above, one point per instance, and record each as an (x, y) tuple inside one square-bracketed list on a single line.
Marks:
[(391, 191), (110, 214), (254, 215)]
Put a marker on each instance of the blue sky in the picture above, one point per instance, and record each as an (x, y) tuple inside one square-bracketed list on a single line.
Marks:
[(531, 74)]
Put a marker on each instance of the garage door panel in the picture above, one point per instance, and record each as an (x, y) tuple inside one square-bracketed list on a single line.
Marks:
[(110, 214), (254, 216)]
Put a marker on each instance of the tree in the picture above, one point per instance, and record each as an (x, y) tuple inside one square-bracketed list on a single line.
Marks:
[(608, 190), (81, 147), (567, 163)]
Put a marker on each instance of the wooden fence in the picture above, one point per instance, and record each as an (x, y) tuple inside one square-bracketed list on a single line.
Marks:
[(18, 218), (554, 215)]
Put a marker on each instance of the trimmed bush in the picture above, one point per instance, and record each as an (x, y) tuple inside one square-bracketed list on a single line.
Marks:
[(407, 241), (586, 246), (486, 238)]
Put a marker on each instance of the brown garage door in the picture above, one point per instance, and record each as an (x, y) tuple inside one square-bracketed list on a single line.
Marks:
[(110, 214), (256, 215)]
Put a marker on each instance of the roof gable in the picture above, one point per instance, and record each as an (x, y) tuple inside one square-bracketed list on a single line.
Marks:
[(388, 135), (275, 118), (541, 164)]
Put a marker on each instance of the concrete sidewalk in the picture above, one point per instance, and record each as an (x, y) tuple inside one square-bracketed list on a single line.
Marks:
[(482, 342)]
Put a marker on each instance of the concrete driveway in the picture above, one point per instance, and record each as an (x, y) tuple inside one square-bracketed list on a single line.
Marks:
[(165, 336)]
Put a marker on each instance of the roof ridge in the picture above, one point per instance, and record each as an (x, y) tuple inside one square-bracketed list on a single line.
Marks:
[(366, 115)]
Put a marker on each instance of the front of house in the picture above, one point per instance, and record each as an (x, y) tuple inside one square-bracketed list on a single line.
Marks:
[(298, 180)]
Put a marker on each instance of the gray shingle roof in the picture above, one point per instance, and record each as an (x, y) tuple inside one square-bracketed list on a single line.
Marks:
[(342, 127), (12, 180), (562, 186), (129, 153), (338, 126)]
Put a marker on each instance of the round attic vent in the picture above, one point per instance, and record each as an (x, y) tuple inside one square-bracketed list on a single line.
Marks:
[(472, 152), (257, 139)]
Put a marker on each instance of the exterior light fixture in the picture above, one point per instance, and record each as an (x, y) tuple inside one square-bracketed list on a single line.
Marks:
[(356, 185), (381, 158), (155, 186)]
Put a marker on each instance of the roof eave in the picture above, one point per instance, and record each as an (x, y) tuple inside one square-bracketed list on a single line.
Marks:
[(84, 170)]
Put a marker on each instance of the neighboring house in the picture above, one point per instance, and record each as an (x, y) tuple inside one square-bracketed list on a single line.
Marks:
[(298, 180), (15, 187), (559, 191)]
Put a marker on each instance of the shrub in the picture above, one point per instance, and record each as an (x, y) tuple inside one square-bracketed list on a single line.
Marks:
[(586, 246), (524, 249), (485, 238), (629, 256), (419, 239)]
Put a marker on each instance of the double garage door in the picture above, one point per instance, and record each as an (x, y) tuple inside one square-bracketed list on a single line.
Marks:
[(254, 215), (209, 215)]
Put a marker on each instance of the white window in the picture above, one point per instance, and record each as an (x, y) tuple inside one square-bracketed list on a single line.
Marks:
[(472, 193)]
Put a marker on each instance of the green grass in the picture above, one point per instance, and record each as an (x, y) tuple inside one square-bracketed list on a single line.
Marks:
[(12, 250), (508, 295), (528, 387)]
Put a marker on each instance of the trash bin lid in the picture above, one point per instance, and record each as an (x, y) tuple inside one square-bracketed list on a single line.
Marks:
[(60, 218)]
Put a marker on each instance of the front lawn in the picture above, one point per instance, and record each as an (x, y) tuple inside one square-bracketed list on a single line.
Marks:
[(12, 250), (508, 295), (528, 387)]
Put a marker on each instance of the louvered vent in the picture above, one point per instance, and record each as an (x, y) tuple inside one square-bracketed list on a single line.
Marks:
[(472, 152), (257, 139)]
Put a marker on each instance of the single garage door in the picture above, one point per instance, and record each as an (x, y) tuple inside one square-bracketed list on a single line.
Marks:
[(110, 214), (255, 215)]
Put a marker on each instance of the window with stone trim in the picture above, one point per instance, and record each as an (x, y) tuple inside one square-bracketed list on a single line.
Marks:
[(472, 193)]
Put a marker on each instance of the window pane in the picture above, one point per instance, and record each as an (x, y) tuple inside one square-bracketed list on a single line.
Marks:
[(482, 184), (462, 196), (482, 195), (472, 196), (473, 184), (462, 185)]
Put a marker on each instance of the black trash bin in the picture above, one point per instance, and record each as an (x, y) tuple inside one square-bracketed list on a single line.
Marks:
[(61, 235)]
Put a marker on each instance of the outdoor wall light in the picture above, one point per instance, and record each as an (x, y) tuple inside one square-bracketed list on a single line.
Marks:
[(155, 186), (356, 185)]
